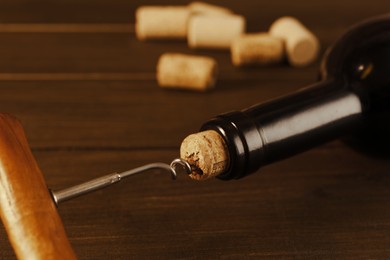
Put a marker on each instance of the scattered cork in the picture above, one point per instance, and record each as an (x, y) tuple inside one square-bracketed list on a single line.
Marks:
[(301, 45), (162, 22), (208, 9), (259, 48), (183, 71), (214, 32), (207, 153)]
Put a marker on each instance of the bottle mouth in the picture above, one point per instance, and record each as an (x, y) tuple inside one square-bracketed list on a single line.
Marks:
[(243, 141)]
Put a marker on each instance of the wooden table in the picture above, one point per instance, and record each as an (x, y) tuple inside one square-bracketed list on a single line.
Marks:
[(85, 91)]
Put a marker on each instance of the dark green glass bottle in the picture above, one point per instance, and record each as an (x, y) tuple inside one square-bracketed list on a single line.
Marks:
[(353, 94)]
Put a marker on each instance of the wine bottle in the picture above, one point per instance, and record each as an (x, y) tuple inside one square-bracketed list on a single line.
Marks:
[(353, 94)]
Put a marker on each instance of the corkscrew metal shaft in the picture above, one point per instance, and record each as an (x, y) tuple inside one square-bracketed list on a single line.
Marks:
[(107, 180)]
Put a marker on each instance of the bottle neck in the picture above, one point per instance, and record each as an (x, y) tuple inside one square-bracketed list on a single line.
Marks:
[(269, 132)]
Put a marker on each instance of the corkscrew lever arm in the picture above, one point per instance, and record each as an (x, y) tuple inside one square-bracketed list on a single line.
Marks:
[(107, 180)]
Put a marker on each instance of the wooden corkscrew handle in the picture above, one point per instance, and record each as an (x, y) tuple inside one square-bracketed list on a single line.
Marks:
[(27, 210)]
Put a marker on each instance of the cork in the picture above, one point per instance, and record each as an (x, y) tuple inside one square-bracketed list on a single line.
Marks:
[(175, 70), (259, 48), (207, 153), (214, 32), (162, 22), (302, 45), (208, 9)]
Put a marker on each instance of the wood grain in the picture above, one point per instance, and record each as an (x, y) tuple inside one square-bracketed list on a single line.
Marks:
[(27, 211), (88, 101)]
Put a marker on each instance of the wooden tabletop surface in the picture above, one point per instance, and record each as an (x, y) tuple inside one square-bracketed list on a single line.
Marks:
[(85, 91)]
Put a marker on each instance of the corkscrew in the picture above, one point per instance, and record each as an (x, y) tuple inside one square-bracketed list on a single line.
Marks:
[(28, 209), (177, 165)]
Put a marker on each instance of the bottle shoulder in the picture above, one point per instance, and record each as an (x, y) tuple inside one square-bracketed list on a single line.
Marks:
[(361, 35), (361, 58)]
